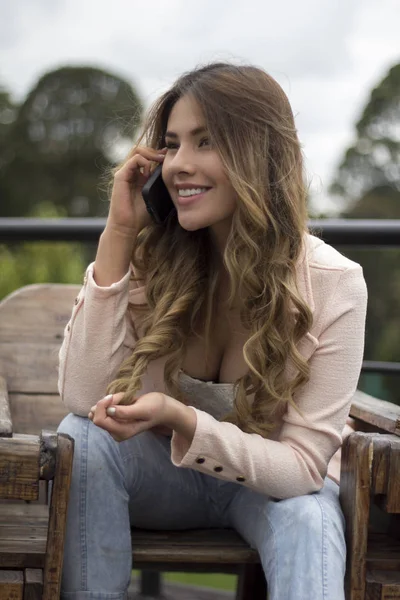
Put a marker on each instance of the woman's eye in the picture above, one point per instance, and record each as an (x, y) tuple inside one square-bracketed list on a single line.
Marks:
[(204, 142), (171, 146)]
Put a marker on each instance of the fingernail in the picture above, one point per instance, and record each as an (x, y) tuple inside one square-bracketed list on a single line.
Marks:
[(109, 397), (110, 410)]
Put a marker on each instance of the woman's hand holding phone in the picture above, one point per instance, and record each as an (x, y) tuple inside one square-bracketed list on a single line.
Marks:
[(128, 213), (127, 216)]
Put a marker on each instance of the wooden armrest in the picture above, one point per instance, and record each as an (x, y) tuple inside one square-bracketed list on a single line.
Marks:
[(6, 429), (378, 413)]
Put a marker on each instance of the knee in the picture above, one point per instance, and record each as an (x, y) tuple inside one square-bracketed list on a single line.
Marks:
[(73, 425), (92, 445)]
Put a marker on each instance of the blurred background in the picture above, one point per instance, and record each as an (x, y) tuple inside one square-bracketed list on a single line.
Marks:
[(75, 78)]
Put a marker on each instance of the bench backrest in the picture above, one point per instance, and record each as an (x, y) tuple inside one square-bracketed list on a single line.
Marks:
[(32, 322)]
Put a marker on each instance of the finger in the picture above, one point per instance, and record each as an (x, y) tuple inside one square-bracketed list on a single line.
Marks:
[(124, 431), (129, 412), (142, 160), (132, 167), (109, 399)]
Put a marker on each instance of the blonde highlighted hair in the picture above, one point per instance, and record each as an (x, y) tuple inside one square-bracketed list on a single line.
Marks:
[(251, 125)]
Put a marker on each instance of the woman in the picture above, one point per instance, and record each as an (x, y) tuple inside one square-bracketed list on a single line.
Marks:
[(210, 361)]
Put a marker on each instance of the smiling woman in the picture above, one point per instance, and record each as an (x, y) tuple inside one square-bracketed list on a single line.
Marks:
[(228, 341), (195, 175)]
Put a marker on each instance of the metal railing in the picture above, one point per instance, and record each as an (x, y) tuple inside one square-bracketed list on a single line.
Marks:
[(342, 232)]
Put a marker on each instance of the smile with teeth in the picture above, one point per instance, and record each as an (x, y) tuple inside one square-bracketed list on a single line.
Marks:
[(191, 192)]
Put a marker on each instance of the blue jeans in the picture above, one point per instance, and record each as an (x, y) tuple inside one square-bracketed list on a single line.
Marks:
[(115, 485)]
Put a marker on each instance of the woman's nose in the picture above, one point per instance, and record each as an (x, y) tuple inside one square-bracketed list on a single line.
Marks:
[(182, 161)]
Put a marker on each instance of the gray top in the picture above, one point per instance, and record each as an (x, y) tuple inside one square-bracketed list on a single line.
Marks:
[(214, 398)]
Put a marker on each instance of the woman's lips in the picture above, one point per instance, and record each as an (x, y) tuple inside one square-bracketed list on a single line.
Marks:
[(186, 200)]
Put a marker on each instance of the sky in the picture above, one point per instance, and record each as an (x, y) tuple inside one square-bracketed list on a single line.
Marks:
[(326, 54)]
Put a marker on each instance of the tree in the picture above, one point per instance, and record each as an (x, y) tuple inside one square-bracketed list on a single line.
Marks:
[(368, 182), (64, 139), (374, 159)]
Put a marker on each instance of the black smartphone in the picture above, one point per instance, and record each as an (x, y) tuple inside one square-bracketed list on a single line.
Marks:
[(156, 197)]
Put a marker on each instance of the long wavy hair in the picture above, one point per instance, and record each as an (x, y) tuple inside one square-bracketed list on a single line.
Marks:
[(251, 125)]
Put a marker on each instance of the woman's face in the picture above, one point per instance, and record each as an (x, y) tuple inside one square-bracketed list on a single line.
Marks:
[(194, 174)]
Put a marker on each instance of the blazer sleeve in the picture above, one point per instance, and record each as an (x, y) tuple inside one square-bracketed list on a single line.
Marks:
[(297, 462), (97, 339)]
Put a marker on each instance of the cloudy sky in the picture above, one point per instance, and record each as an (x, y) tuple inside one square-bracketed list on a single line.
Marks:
[(327, 54)]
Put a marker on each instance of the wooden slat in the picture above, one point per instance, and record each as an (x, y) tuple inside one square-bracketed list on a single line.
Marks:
[(378, 413), (58, 518), (6, 427), (29, 513), (33, 584), (393, 491), (36, 311), (33, 413), (19, 467), (383, 552), (23, 535), (11, 585), (219, 546), (383, 585), (32, 322), (355, 482), (30, 367)]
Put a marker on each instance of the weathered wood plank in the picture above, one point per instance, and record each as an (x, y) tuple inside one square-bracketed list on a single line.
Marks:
[(36, 312), (6, 427), (378, 413), (393, 489), (383, 585), (383, 552), (23, 535), (219, 546), (33, 584), (32, 322), (30, 367), (58, 518), (11, 585), (19, 467), (355, 482), (32, 413), (10, 513)]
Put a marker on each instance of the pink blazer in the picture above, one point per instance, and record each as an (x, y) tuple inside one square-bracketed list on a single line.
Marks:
[(300, 452)]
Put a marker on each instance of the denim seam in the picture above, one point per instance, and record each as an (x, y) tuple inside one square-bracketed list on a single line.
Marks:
[(276, 552), (324, 550), (83, 506)]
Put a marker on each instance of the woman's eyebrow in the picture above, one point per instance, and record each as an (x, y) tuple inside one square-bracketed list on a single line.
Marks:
[(194, 132)]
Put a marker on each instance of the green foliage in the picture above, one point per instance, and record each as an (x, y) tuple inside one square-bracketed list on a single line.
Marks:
[(374, 159), (64, 139), (368, 179), (40, 262)]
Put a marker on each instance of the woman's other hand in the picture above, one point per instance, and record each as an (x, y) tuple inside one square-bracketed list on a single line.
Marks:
[(155, 411)]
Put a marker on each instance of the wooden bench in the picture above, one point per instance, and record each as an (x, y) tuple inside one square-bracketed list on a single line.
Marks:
[(32, 534), (32, 321)]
